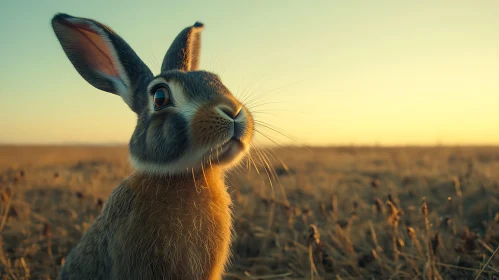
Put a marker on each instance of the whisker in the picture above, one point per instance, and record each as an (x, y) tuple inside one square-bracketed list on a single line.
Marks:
[(223, 72), (272, 153), (247, 90), (265, 115), (270, 139), (277, 130), (211, 63), (252, 86), (239, 87), (267, 163), (217, 63), (248, 166), (259, 95), (277, 179), (154, 60), (243, 91), (250, 106), (282, 110), (267, 172), (204, 174), (256, 168)]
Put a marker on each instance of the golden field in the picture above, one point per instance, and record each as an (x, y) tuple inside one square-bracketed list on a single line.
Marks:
[(328, 213)]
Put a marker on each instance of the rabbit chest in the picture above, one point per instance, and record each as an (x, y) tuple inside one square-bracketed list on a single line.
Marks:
[(182, 224)]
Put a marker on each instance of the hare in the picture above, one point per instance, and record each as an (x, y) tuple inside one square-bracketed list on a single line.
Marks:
[(171, 218)]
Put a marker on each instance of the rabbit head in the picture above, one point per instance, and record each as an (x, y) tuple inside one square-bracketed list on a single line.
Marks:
[(187, 118)]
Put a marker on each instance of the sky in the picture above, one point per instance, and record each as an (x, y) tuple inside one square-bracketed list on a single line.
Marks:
[(319, 72)]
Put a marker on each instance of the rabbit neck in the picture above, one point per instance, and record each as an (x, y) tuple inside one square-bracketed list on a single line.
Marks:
[(181, 190), (191, 213)]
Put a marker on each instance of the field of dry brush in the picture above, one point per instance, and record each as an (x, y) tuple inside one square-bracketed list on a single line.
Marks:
[(329, 213)]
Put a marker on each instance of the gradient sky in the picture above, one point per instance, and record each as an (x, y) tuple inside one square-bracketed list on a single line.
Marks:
[(325, 72)]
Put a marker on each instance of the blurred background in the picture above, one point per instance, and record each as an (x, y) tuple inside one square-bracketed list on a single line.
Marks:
[(321, 72)]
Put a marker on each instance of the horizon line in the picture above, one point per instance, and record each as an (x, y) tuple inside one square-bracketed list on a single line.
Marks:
[(340, 145)]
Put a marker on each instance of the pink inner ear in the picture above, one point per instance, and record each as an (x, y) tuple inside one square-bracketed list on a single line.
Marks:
[(94, 48)]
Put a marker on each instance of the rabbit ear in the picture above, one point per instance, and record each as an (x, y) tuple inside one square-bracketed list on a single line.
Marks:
[(183, 54), (102, 58)]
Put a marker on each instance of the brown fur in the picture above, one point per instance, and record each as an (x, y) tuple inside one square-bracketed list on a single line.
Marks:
[(193, 217), (158, 227), (171, 219)]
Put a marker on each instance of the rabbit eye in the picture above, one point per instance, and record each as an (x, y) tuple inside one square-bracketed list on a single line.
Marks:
[(161, 98)]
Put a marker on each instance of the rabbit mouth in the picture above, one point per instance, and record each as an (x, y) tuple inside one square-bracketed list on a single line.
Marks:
[(227, 150)]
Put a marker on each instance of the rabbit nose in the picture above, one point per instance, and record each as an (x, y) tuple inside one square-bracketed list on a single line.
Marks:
[(232, 113)]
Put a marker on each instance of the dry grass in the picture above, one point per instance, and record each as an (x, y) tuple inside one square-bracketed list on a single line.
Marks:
[(336, 213)]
